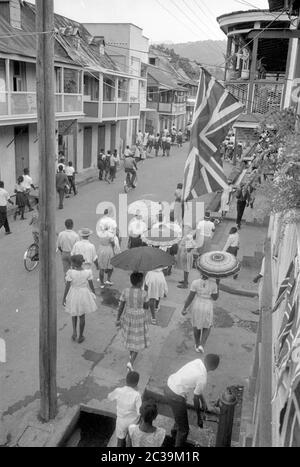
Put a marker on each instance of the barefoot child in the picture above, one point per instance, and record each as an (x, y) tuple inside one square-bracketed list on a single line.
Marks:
[(134, 323), (156, 288), (129, 402), (79, 296)]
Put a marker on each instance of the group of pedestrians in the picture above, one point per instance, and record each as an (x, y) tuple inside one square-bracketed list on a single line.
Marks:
[(22, 193), (161, 142), (65, 181), (107, 163)]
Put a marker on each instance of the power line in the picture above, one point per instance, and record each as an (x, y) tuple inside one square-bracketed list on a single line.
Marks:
[(200, 19), (177, 19)]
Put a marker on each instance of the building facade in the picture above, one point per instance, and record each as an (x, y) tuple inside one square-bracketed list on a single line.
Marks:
[(260, 64), (97, 102), (128, 48)]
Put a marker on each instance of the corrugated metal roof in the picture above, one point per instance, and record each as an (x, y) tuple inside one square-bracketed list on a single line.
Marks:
[(75, 39), (164, 78), (23, 42), (67, 48)]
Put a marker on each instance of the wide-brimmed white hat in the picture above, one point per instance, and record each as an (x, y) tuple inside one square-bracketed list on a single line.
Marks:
[(85, 232)]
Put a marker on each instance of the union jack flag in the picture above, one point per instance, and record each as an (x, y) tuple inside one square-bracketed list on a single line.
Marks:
[(215, 111), (285, 288)]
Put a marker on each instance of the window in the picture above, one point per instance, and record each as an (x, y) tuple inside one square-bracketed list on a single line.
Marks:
[(123, 90), (19, 76), (151, 93), (58, 83), (152, 61), (91, 87), (108, 89), (72, 81)]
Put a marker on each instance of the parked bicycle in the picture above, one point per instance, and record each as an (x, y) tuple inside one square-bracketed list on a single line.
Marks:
[(31, 257)]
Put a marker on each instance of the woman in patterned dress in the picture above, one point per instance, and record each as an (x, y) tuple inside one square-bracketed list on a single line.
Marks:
[(134, 323)]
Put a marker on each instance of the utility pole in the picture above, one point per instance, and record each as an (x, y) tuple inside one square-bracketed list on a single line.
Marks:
[(47, 207)]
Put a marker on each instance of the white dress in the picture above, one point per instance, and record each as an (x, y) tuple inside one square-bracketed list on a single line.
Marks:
[(202, 305), (225, 199), (157, 285), (80, 299)]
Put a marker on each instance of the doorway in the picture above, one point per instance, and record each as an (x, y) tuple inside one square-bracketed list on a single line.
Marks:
[(113, 137), (87, 147), (21, 136), (101, 138)]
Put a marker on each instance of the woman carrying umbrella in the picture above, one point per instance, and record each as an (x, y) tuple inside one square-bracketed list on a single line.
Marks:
[(134, 323), (200, 300)]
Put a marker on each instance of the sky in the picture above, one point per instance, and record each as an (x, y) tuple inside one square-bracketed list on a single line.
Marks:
[(161, 20)]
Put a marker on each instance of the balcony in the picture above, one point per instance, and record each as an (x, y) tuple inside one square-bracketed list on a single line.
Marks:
[(24, 104), (112, 110), (267, 95), (172, 107)]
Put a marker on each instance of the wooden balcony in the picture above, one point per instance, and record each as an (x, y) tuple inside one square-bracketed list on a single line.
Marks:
[(267, 95), (172, 108), (23, 104), (111, 110)]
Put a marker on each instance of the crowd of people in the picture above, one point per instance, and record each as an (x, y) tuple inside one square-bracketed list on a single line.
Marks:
[(140, 301)]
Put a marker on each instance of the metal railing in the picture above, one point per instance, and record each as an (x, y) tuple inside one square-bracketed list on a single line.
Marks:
[(238, 90), (267, 95)]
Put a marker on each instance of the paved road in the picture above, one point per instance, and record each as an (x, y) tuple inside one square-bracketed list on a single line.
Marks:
[(19, 289)]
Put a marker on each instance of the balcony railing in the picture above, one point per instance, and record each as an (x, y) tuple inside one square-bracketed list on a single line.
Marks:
[(24, 104), (267, 95), (115, 110), (172, 108), (239, 90)]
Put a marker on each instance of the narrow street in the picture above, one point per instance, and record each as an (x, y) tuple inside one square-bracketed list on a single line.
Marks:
[(19, 289), (87, 372)]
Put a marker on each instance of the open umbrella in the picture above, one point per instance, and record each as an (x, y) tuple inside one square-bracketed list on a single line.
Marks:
[(218, 264), (142, 259), (163, 235)]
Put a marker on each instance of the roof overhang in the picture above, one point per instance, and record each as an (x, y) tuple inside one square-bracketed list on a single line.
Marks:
[(275, 33), (237, 18)]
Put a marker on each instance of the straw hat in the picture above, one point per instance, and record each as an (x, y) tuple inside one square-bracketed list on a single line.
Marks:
[(85, 232)]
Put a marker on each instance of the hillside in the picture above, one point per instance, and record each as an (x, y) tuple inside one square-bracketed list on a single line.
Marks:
[(206, 52), (188, 55)]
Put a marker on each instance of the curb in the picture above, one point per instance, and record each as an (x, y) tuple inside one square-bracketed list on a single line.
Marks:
[(240, 292)]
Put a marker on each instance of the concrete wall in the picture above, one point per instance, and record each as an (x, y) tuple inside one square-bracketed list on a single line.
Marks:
[(7, 158), (34, 153)]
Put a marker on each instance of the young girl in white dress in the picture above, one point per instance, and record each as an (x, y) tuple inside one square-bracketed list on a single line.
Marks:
[(79, 296), (200, 301)]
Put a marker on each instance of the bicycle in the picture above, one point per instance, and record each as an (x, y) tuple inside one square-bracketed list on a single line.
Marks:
[(127, 182), (31, 257)]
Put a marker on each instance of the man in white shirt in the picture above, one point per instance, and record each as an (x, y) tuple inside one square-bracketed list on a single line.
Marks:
[(27, 184), (107, 223), (191, 377), (65, 243), (136, 228), (204, 233), (85, 248), (4, 199), (70, 173)]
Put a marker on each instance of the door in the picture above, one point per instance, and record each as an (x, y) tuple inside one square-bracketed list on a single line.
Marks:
[(101, 138), (21, 149), (87, 147), (113, 137)]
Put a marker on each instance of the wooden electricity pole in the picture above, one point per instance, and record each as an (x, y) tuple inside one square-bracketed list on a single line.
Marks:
[(47, 205)]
